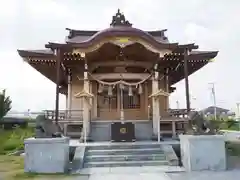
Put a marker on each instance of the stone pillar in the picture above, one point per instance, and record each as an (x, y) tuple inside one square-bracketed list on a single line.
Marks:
[(155, 104), (86, 114), (69, 96)]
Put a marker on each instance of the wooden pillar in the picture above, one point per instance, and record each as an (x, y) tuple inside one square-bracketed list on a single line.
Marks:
[(174, 133), (121, 103), (86, 113), (186, 79), (58, 78), (118, 103), (91, 111), (155, 104), (95, 99), (167, 89), (146, 104), (69, 96), (66, 103)]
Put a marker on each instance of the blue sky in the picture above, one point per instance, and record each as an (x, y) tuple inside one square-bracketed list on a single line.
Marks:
[(29, 24)]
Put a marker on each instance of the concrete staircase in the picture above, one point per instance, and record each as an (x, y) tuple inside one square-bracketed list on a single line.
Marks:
[(127, 154)]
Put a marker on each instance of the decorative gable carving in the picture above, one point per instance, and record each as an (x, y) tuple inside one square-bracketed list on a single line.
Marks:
[(119, 20)]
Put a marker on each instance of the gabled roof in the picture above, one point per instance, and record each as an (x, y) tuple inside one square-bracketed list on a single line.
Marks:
[(211, 110), (45, 60), (36, 53), (78, 36)]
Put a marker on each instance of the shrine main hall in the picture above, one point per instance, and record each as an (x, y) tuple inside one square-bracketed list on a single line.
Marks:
[(117, 81)]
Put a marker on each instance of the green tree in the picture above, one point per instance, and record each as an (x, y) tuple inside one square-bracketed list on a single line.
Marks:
[(5, 104)]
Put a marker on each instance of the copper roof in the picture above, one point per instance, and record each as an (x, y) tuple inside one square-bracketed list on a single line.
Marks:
[(118, 27), (36, 53), (79, 36)]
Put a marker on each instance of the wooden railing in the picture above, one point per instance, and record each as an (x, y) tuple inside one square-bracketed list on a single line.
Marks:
[(178, 112), (65, 115)]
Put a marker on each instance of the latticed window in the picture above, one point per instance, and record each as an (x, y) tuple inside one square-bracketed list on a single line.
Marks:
[(107, 102), (131, 102)]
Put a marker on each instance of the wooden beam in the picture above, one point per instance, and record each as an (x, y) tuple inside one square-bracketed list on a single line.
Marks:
[(126, 76), (94, 65)]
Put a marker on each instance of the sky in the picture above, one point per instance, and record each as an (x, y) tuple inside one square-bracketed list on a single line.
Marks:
[(211, 24)]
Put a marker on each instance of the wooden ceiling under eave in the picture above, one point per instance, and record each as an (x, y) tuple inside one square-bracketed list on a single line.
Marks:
[(175, 62), (110, 51), (49, 71), (44, 62)]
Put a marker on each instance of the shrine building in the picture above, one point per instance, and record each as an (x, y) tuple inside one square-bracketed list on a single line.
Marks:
[(117, 81)]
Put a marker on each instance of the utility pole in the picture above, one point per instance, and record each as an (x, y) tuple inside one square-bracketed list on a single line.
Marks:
[(214, 99), (177, 103), (238, 105), (193, 99), (238, 114)]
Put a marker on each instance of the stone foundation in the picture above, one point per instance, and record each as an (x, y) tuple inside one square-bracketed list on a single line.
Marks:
[(46, 155), (101, 131), (203, 152)]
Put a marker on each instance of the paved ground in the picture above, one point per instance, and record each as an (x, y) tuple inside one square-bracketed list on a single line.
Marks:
[(204, 175), (141, 176), (228, 175), (130, 170)]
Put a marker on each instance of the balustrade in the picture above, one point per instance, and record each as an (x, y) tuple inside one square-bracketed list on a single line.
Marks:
[(65, 115)]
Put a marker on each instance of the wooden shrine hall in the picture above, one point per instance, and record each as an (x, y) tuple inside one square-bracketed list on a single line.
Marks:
[(117, 81)]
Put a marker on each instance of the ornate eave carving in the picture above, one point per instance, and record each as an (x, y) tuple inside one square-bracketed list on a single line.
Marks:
[(119, 20)]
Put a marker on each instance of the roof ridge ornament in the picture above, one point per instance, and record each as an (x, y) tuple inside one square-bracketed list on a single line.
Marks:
[(119, 20)]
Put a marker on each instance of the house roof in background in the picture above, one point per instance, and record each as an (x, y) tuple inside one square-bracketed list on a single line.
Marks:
[(211, 109)]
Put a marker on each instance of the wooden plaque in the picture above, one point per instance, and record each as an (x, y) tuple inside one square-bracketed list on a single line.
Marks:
[(122, 132)]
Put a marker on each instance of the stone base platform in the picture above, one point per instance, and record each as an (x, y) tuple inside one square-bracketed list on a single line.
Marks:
[(46, 155), (203, 152)]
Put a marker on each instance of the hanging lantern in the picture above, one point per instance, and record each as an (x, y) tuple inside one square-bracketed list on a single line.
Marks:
[(130, 92), (110, 93), (100, 88), (140, 90)]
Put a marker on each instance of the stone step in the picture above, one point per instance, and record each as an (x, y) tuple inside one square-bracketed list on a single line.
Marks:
[(124, 151), (129, 157), (124, 146), (125, 163)]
